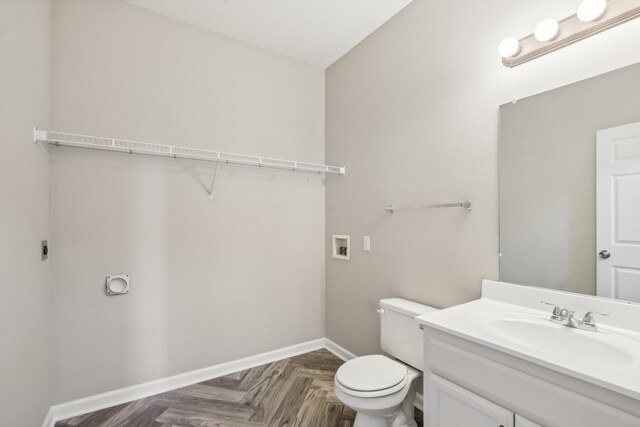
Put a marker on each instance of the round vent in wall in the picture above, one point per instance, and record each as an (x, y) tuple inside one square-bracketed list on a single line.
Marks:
[(117, 284)]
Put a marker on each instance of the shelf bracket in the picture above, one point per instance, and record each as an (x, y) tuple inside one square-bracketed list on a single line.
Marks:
[(39, 135), (213, 180)]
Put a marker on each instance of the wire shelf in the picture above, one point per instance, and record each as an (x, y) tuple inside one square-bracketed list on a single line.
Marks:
[(135, 147)]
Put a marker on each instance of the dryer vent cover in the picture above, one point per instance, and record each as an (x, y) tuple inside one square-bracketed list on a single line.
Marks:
[(117, 284)]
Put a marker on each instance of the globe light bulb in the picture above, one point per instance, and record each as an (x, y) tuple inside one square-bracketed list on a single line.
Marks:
[(546, 30), (509, 47), (591, 10)]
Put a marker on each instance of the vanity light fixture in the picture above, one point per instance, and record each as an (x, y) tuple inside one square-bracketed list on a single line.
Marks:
[(592, 17)]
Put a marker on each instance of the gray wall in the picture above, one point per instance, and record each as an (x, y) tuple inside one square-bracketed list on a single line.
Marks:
[(25, 315), (548, 178), (212, 281), (413, 113)]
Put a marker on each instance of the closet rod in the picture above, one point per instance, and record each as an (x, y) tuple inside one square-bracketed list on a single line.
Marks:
[(134, 147), (467, 204)]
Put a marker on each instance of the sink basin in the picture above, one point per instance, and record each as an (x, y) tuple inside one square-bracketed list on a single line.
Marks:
[(508, 325), (538, 334)]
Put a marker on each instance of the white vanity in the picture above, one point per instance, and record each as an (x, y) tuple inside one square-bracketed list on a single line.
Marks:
[(501, 361)]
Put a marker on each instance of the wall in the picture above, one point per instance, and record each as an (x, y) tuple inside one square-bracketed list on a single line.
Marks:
[(548, 178), (25, 333), (212, 280), (413, 113)]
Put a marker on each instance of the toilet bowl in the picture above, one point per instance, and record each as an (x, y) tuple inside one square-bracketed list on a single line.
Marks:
[(379, 389), (382, 390)]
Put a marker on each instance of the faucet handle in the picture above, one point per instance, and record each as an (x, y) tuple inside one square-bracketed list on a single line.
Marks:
[(589, 318), (556, 308)]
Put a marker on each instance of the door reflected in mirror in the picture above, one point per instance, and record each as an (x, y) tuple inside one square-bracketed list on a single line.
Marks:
[(570, 187)]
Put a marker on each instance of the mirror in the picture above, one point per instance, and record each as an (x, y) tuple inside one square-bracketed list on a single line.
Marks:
[(570, 187)]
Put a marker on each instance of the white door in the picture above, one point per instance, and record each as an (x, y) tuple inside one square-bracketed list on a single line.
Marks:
[(454, 406), (618, 212)]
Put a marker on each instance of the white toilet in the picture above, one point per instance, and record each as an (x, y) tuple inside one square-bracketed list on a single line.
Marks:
[(382, 390)]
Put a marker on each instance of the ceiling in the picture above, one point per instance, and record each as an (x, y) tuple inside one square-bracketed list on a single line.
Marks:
[(316, 32)]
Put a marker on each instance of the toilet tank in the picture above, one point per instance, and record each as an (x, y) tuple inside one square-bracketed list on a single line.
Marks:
[(400, 335)]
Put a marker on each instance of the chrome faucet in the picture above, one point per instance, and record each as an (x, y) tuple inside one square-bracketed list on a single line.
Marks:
[(565, 317)]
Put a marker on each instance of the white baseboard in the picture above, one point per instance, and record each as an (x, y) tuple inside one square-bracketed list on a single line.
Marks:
[(419, 402), (116, 397), (48, 419), (339, 351)]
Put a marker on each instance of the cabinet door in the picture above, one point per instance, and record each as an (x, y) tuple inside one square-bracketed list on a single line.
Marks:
[(524, 422), (453, 406)]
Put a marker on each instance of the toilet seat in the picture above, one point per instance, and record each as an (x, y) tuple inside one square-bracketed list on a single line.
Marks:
[(371, 376)]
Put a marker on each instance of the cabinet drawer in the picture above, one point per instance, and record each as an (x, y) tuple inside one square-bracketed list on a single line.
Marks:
[(454, 406), (525, 422)]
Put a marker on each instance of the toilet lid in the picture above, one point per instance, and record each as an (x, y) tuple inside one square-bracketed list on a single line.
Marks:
[(371, 373)]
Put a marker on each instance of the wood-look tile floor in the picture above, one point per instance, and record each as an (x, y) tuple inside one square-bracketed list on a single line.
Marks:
[(295, 392)]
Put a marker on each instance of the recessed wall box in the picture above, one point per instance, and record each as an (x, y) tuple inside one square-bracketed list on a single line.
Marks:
[(341, 247)]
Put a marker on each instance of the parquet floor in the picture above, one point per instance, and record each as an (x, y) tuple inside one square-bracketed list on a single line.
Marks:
[(295, 392)]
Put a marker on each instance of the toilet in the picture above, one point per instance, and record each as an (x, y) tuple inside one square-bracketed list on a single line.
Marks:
[(382, 390)]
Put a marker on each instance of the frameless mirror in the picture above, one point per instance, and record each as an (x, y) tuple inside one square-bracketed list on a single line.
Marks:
[(570, 187)]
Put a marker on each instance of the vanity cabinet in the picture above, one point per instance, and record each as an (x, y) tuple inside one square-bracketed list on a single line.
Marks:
[(469, 384)]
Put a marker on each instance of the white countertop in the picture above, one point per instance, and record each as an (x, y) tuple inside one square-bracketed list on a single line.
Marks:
[(501, 299)]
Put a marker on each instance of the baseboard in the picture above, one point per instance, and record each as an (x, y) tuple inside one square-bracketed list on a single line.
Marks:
[(419, 402), (116, 397), (105, 400), (48, 419), (339, 351)]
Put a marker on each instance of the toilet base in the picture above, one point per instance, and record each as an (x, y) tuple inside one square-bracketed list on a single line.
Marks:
[(404, 416), (364, 420)]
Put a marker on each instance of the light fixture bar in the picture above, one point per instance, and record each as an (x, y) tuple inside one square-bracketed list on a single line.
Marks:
[(573, 30)]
